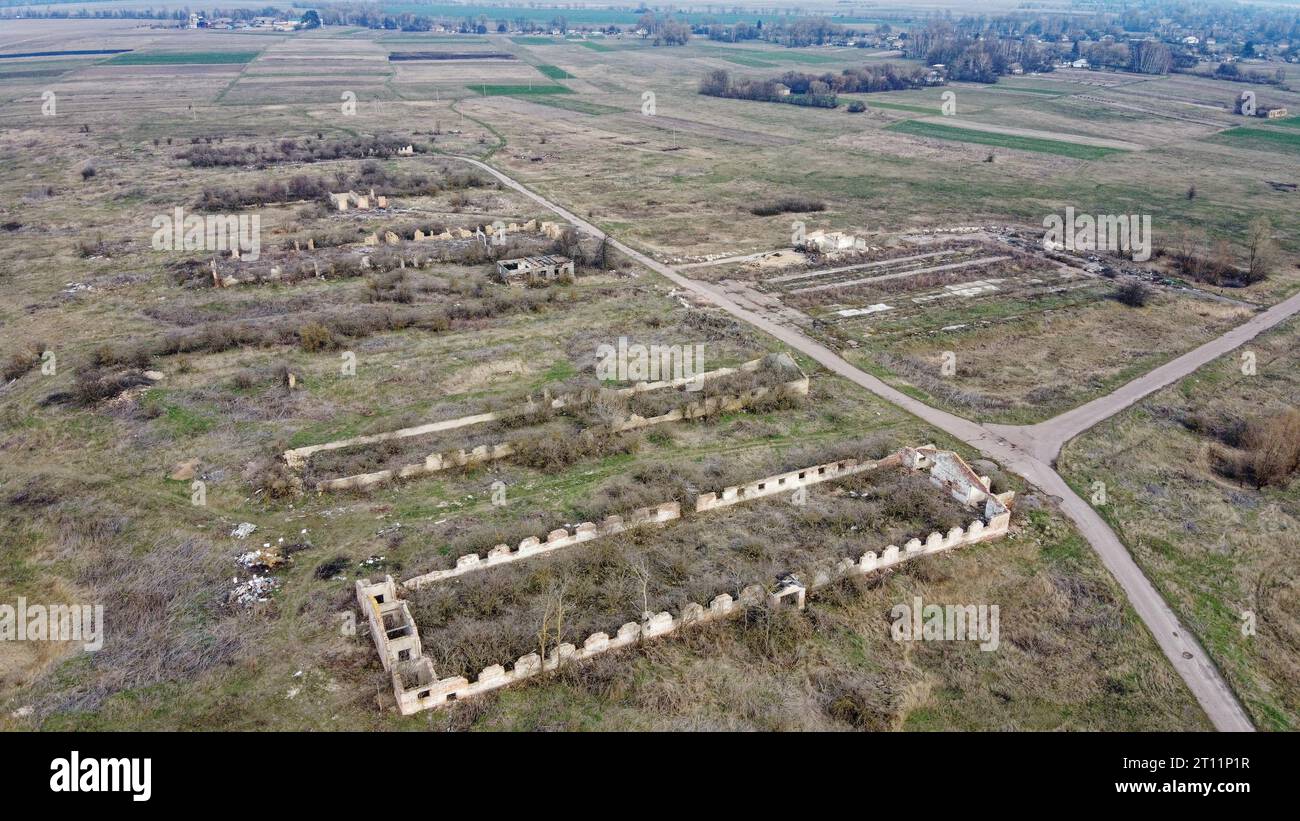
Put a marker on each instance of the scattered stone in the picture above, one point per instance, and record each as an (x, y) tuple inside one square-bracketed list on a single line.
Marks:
[(244, 529)]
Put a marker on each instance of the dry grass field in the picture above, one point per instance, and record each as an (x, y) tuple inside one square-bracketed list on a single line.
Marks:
[(1220, 549), (236, 375)]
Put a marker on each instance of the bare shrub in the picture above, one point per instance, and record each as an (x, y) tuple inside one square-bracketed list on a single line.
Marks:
[(21, 361), (1268, 452), (546, 451), (788, 205), (1133, 294), (93, 385), (271, 477), (316, 337), (1275, 446)]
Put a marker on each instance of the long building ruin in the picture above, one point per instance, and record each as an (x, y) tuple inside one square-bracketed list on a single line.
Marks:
[(417, 687), (296, 458)]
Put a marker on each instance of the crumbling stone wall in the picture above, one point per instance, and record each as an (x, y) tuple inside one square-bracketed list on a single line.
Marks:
[(555, 540), (785, 482)]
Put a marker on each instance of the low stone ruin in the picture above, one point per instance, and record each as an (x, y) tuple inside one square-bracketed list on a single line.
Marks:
[(297, 458), (555, 540), (360, 202), (417, 687), (485, 233)]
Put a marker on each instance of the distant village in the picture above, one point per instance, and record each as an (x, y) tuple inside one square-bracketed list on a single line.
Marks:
[(198, 21), (1251, 46)]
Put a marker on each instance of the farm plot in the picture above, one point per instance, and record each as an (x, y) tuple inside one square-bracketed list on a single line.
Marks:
[(176, 58), (1262, 139), (1089, 120), (459, 74), (1018, 139)]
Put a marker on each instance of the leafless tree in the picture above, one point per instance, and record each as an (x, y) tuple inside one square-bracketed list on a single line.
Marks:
[(552, 619)]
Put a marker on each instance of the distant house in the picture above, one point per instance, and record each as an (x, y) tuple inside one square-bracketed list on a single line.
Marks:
[(1016, 68), (1273, 113), (782, 90), (1191, 41), (1079, 63)]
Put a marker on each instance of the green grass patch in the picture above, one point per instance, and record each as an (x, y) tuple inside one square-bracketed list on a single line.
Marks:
[(751, 62), (761, 57), (535, 41), (555, 73), (576, 105), (170, 58), (559, 371), (1052, 92), (595, 46), (1261, 138), (872, 103), (1077, 151), (490, 90)]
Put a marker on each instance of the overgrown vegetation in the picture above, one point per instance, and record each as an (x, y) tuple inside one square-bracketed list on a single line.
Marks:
[(307, 150), (788, 205), (370, 175)]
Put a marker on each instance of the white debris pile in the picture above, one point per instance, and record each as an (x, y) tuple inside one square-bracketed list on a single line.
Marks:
[(261, 561), (257, 589)]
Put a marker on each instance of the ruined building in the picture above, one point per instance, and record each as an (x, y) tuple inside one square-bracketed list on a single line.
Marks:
[(534, 270)]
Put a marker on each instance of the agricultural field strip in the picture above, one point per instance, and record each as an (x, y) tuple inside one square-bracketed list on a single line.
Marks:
[(885, 277), (1056, 136), (1092, 98), (1061, 147), (676, 124)]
